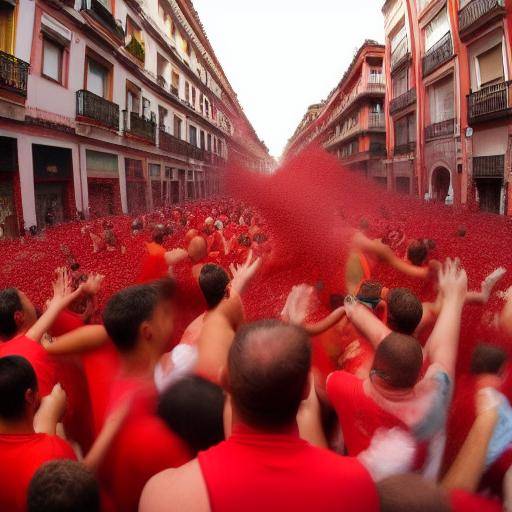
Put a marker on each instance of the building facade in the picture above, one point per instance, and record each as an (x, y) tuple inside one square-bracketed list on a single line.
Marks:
[(350, 123), (111, 106), (449, 102)]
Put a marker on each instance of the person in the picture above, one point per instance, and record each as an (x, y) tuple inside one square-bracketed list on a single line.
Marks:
[(264, 465), (221, 323), (23, 446), (63, 486), (23, 333), (139, 320), (395, 395)]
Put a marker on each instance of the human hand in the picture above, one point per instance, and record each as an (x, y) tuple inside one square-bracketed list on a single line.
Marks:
[(93, 284), (51, 410), (243, 273), (297, 304), (63, 294), (453, 281)]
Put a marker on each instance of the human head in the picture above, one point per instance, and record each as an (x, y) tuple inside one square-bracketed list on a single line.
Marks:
[(190, 234), (488, 359), (411, 493), (141, 315), (244, 240), (398, 361), (193, 408), (16, 313), (404, 310), (213, 281), (63, 486), (19, 396), (197, 249), (417, 252), (267, 374), (159, 233), (369, 293)]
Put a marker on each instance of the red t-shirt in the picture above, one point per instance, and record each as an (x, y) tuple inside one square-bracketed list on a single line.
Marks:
[(20, 457), (462, 501), (257, 472), (144, 447), (67, 321), (43, 364), (359, 415)]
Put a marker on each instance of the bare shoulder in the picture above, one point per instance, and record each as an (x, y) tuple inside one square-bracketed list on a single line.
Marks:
[(175, 490)]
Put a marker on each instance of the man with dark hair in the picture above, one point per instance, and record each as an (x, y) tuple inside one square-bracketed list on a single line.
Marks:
[(213, 281), (394, 396), (264, 465), (140, 322), (417, 252), (22, 450), (193, 408), (63, 486), (488, 359), (404, 311)]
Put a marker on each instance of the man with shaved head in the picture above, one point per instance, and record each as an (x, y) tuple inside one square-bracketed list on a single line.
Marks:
[(264, 465)]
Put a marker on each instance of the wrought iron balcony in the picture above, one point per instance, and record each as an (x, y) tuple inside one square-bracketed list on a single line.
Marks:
[(440, 53), (376, 121), (378, 149), (401, 54), (403, 101), (161, 81), (491, 102), (489, 166), (139, 126), (478, 13), (97, 109), (172, 144), (13, 74), (174, 90), (403, 149), (441, 129), (98, 11)]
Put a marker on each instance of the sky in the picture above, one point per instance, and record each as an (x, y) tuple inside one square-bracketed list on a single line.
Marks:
[(282, 55)]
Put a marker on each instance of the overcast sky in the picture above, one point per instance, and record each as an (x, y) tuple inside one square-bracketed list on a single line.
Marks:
[(282, 55)]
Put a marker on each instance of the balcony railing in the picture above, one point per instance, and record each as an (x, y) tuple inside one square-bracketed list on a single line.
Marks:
[(376, 120), (139, 126), (403, 149), (477, 13), (401, 54), (402, 101), (161, 81), (97, 109), (440, 53), (345, 134), (174, 90), (172, 144), (104, 16), (13, 74), (489, 166), (440, 129), (490, 102)]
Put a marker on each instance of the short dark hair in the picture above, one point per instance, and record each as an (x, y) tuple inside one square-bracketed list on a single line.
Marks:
[(268, 366), (63, 486), (213, 281), (193, 408), (370, 289), (404, 311), (398, 360), (417, 252), (129, 308), (487, 358), (10, 302), (16, 377), (159, 234)]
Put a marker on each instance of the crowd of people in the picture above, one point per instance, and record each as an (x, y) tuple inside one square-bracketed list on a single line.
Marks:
[(167, 397)]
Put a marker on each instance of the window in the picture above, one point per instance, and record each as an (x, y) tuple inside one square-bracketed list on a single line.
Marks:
[(490, 66), (97, 78), (194, 92), (441, 98), (398, 38), (154, 170), (193, 135), (177, 127), (6, 27), (175, 77), (400, 82), (405, 130), (133, 96), (436, 29), (162, 116), (52, 60), (133, 31), (202, 139), (399, 46), (187, 92), (375, 76), (209, 142), (206, 107)]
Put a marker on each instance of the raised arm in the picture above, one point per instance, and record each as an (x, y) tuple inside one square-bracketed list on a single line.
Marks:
[(366, 322), (62, 298), (243, 274), (78, 341), (443, 343), (467, 469)]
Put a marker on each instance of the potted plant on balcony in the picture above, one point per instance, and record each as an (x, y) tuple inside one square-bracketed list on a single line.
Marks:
[(136, 48)]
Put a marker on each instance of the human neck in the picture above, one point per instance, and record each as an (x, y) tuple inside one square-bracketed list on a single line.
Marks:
[(17, 427), (138, 363), (388, 392)]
